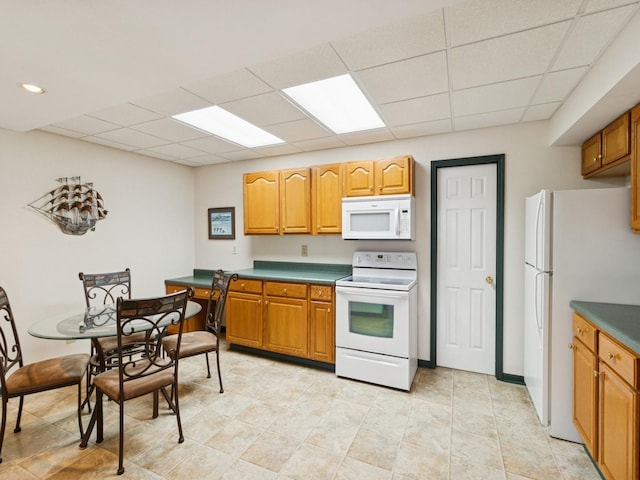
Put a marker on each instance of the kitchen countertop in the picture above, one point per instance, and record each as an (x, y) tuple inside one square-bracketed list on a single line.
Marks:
[(621, 322), (319, 273)]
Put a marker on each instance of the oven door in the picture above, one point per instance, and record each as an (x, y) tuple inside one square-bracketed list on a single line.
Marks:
[(373, 320)]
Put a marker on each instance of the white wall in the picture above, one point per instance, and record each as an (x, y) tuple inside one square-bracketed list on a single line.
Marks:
[(149, 227), (530, 166)]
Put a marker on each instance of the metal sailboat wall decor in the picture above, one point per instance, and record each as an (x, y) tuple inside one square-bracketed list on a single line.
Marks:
[(74, 207)]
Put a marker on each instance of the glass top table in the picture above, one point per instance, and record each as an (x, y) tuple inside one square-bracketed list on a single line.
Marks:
[(91, 323)]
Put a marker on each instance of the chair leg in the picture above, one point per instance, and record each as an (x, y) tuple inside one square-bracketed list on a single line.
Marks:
[(206, 356), (18, 429), (80, 403), (121, 442), (177, 410), (96, 417), (219, 374), (155, 404), (4, 425)]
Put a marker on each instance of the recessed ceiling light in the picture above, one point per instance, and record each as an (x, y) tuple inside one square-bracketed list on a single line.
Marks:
[(338, 103), (224, 124), (31, 88)]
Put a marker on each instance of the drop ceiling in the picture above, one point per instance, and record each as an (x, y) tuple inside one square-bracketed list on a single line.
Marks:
[(116, 71)]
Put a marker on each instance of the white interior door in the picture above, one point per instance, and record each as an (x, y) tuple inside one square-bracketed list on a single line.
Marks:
[(466, 256)]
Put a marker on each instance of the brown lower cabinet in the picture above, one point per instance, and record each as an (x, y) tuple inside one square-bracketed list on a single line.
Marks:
[(606, 400), (200, 295), (284, 317)]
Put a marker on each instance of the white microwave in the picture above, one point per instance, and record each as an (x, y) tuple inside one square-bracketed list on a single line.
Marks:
[(388, 217)]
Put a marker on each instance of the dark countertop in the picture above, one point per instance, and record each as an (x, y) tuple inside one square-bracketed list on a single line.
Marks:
[(320, 273), (621, 322)]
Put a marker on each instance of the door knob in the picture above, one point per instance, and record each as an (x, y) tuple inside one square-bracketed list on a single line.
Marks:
[(489, 279)]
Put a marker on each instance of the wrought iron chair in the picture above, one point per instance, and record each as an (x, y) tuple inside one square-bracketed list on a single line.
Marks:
[(206, 341), (145, 369), (103, 289), (18, 379)]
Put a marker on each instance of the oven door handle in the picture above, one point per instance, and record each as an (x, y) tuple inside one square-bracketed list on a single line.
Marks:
[(372, 292)]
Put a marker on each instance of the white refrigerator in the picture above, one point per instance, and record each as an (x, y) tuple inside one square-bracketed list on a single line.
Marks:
[(578, 246)]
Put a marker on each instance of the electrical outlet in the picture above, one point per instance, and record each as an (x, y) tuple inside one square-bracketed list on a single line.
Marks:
[(235, 250), (304, 251)]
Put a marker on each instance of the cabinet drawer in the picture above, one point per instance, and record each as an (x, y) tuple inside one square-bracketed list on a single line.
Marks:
[(199, 292), (586, 332), (246, 285), (622, 361), (321, 292), (290, 290)]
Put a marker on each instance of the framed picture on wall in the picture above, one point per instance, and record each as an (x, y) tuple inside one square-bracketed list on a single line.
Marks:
[(222, 223)]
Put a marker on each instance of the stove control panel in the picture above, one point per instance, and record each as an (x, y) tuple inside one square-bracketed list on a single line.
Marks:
[(394, 260)]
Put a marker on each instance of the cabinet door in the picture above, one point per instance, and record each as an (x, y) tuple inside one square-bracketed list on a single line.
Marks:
[(322, 326), (615, 140), (618, 428), (591, 156), (286, 326), (585, 395), (261, 203), (196, 322), (295, 206), (358, 179), (244, 319), (394, 176), (635, 169), (326, 200)]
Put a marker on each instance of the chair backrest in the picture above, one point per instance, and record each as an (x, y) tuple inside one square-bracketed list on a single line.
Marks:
[(215, 314), (105, 288), (153, 316), (10, 350)]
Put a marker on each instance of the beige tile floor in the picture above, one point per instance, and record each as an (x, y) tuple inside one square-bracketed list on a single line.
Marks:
[(282, 421)]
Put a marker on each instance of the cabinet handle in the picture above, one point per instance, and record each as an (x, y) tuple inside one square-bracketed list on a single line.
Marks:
[(595, 159), (571, 346), (328, 310), (596, 373), (284, 290), (580, 330), (266, 302), (613, 356)]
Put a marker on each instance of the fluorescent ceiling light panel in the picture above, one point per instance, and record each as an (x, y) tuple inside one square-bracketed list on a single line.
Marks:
[(338, 103), (224, 124)]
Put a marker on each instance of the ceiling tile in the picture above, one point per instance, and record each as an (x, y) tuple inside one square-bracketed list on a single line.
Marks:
[(176, 150), (598, 5), (476, 20), (211, 144), (125, 115), (491, 119), (297, 130), (173, 102), (275, 150), (171, 130), (416, 77), (208, 160), (589, 37), (161, 156), (307, 66), (187, 163), (367, 136), (133, 138), (557, 86), (265, 109), (87, 125), (61, 131), (232, 86), (540, 112), (390, 43), (506, 58), (498, 96), (420, 129), (109, 143), (319, 144), (416, 110), (246, 154)]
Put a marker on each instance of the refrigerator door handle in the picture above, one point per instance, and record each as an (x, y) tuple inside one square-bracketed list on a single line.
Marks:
[(537, 232)]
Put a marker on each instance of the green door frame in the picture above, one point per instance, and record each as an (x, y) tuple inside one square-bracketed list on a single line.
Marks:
[(499, 160)]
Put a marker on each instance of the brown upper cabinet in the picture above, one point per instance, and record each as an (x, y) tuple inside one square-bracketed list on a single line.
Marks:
[(379, 177), (607, 153), (635, 169), (326, 198), (277, 202)]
